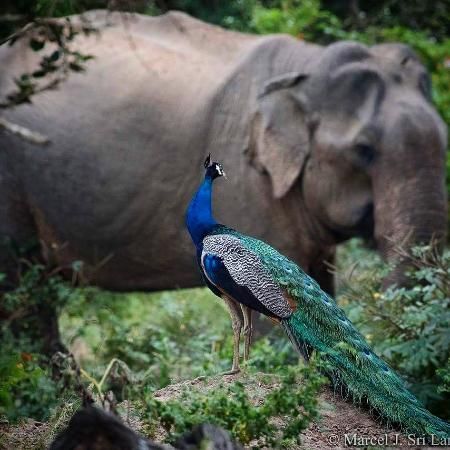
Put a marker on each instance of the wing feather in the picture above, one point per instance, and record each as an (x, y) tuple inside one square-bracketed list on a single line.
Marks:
[(247, 270)]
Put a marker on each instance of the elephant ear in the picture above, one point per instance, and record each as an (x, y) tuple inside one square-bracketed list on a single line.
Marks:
[(280, 131)]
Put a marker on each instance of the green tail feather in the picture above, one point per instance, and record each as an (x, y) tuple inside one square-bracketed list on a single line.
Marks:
[(320, 324), (352, 364)]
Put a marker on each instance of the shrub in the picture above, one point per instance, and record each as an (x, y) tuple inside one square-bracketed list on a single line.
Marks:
[(26, 388), (38, 288), (444, 374), (230, 407), (169, 336)]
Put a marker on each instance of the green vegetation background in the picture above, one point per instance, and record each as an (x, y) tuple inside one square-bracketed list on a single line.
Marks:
[(166, 337)]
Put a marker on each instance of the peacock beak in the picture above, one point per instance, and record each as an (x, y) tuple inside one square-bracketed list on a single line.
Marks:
[(224, 175)]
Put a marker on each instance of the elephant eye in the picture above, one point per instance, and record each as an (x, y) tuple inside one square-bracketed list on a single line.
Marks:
[(365, 154)]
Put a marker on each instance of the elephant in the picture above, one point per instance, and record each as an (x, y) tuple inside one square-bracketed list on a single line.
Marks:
[(321, 144)]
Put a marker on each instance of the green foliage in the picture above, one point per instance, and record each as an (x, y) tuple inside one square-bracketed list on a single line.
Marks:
[(36, 286), (272, 355), (38, 289), (444, 374), (417, 15), (56, 62), (179, 335), (162, 338), (22, 11), (302, 18), (408, 327), (231, 408), (167, 336), (26, 388)]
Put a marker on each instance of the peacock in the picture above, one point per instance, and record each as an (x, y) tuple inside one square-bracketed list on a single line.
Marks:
[(250, 275)]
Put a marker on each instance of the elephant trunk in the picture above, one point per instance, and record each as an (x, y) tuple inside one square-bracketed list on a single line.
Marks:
[(410, 194), (410, 213)]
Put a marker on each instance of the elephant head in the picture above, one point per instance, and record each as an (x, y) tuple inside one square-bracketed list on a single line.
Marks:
[(359, 134)]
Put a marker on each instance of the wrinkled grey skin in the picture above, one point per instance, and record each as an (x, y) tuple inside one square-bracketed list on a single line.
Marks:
[(320, 143)]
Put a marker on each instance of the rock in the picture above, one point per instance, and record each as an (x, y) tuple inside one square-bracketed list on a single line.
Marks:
[(94, 429), (207, 436)]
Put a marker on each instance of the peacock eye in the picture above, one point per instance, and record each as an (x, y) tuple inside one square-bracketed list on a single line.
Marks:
[(365, 154)]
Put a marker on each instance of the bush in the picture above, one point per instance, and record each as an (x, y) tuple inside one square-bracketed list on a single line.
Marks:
[(169, 336), (26, 385), (230, 407), (416, 15), (303, 19), (26, 388), (39, 288)]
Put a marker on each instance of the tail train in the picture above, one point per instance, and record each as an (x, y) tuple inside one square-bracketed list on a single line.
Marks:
[(352, 364)]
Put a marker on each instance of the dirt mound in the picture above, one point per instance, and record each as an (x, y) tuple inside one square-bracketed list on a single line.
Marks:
[(341, 425)]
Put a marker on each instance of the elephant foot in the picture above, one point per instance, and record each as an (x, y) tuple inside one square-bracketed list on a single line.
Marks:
[(233, 371)]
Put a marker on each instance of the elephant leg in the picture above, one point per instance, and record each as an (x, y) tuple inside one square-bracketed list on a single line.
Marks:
[(320, 270), (248, 330), (18, 230), (236, 323)]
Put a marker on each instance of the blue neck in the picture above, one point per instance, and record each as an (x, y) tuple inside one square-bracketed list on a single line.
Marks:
[(199, 219)]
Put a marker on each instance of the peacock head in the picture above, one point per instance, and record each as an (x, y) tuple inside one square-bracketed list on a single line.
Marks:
[(213, 169)]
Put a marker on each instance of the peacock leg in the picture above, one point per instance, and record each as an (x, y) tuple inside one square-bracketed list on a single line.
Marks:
[(236, 323), (248, 330)]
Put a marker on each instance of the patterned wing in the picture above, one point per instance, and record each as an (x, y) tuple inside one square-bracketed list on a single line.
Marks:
[(246, 270), (285, 273)]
